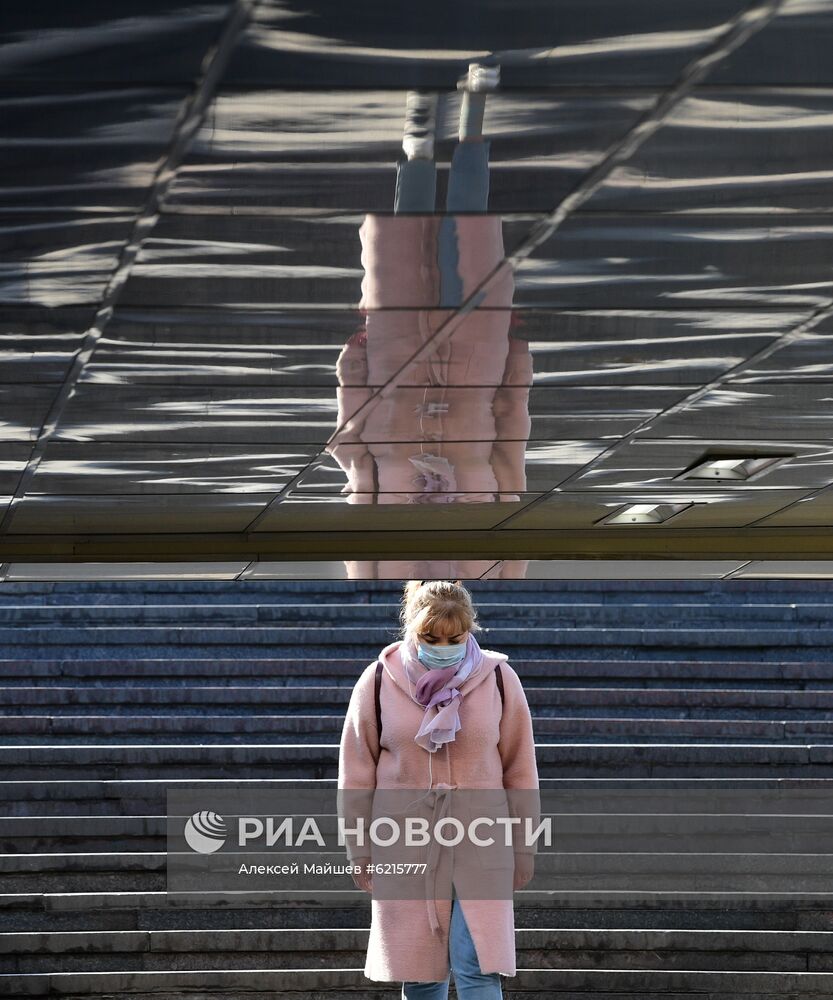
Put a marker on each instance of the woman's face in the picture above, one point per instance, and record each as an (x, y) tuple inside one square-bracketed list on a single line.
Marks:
[(442, 634)]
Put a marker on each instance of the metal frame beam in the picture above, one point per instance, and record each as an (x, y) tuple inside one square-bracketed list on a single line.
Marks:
[(655, 542)]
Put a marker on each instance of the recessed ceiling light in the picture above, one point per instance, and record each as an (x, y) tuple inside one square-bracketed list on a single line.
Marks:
[(646, 513), (738, 469)]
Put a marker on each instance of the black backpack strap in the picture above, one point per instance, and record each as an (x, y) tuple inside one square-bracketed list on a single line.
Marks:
[(377, 689), (499, 679)]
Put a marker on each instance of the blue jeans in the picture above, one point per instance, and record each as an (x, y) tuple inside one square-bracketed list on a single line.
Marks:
[(470, 982), (468, 181), (468, 191)]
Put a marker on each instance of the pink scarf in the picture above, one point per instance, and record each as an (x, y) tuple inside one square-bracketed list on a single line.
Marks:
[(439, 692)]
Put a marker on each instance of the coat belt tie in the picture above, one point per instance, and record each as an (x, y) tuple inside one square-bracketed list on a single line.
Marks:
[(441, 806)]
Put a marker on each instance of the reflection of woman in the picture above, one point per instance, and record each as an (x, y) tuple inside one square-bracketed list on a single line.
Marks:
[(456, 426), (442, 723)]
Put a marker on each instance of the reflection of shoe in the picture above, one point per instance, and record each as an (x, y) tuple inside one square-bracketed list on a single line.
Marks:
[(480, 78), (419, 147), (420, 125), (479, 81)]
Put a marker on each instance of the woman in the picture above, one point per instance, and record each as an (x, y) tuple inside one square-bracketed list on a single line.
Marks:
[(445, 725)]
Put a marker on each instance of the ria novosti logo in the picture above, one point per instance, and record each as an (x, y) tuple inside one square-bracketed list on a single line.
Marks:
[(205, 832)]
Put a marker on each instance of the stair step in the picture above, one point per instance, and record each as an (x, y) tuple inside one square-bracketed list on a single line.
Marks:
[(551, 948), (363, 642), (100, 837), (725, 943), (507, 591), (790, 875), (300, 671), (380, 991), (553, 982), (496, 615), (145, 796), (130, 910), (327, 699), (179, 763), (70, 730)]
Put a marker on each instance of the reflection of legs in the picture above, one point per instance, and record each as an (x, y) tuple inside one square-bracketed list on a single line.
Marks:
[(468, 180), (416, 186), (416, 177), (470, 982), (475, 85)]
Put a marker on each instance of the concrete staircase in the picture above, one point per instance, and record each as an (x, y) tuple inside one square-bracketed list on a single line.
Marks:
[(112, 692)]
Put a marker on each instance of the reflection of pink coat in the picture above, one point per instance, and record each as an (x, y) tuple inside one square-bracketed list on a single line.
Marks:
[(495, 748), (467, 404), (435, 569)]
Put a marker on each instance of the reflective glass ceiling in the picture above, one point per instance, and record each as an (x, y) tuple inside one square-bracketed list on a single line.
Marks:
[(235, 320)]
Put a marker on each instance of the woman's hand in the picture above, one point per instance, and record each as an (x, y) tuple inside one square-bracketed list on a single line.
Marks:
[(524, 870), (364, 881)]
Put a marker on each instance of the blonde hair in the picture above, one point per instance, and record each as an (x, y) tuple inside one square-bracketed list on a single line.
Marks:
[(427, 603)]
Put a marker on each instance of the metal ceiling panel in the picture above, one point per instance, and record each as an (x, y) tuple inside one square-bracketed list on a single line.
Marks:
[(648, 463), (136, 513), (578, 42), (715, 509), (336, 149), (217, 322)]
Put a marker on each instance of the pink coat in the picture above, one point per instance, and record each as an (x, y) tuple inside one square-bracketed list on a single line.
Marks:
[(493, 749)]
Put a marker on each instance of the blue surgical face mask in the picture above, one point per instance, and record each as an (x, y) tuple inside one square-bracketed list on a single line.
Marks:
[(438, 657)]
